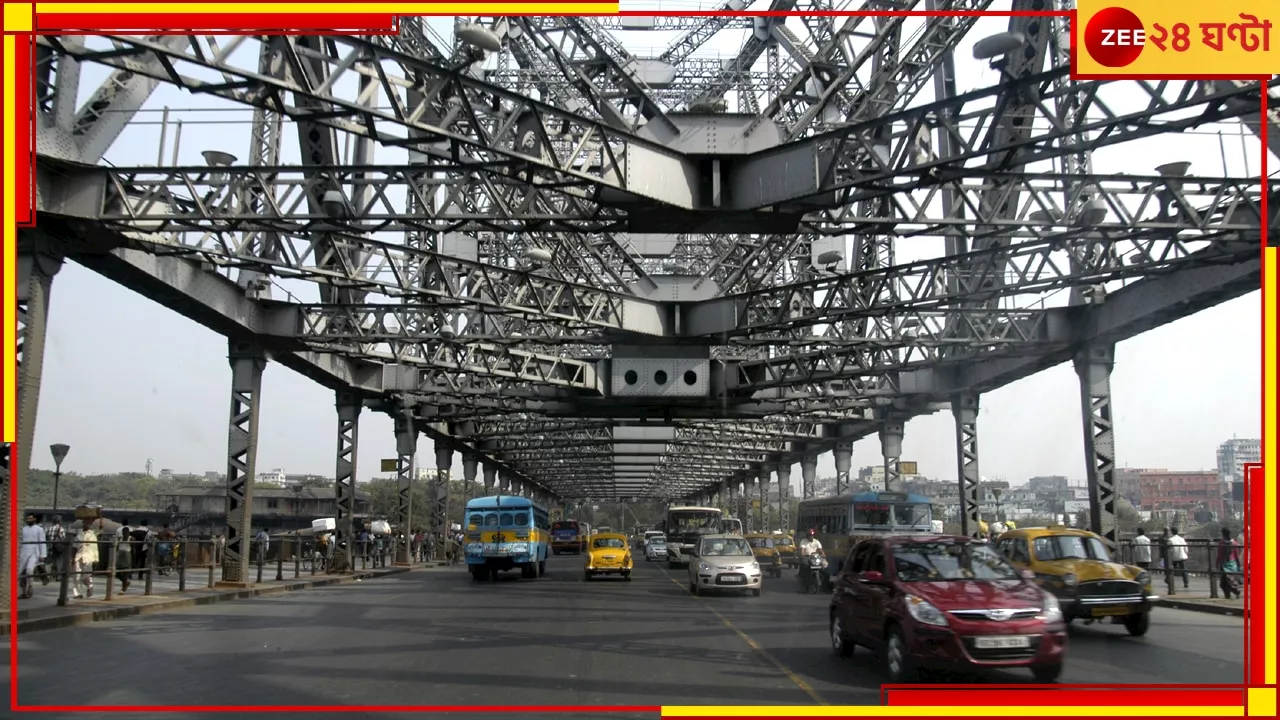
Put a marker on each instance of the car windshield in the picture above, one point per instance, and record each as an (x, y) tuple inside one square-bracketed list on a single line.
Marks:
[(761, 542), (608, 543), (784, 542), (1070, 547), (657, 541), (727, 547), (943, 561)]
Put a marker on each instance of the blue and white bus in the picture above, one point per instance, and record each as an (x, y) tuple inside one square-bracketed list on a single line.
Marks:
[(842, 521), (506, 532)]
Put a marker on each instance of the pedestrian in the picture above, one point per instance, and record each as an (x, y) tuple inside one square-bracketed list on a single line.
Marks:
[(85, 558), (1142, 550), (124, 557), (1178, 556), (57, 550), (1228, 565), (31, 556)]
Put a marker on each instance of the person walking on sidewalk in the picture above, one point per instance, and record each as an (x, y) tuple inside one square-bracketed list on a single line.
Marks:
[(86, 556), (57, 549), (31, 556), (1142, 550), (1229, 565), (1178, 556)]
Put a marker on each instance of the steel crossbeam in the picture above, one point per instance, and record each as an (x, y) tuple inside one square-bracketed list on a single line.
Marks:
[(537, 143)]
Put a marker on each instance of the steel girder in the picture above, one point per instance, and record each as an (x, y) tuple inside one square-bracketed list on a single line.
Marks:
[(481, 339)]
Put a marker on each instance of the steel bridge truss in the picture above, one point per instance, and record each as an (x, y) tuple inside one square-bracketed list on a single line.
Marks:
[(590, 276)]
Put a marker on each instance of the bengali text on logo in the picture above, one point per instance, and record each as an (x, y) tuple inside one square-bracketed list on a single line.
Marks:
[(1149, 38)]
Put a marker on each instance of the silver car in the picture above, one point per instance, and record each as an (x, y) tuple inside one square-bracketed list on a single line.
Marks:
[(724, 562), (655, 549)]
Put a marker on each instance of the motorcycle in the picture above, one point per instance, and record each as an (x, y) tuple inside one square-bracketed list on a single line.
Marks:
[(813, 574)]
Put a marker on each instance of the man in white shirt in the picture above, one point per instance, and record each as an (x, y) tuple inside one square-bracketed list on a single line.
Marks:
[(811, 545), (32, 552), (1142, 550), (1178, 555)]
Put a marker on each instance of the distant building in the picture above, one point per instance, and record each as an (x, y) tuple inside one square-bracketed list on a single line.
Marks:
[(1048, 484), (1234, 454), (1163, 490), (275, 508)]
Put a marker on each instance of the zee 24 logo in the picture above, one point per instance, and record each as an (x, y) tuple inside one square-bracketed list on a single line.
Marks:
[(1115, 37)]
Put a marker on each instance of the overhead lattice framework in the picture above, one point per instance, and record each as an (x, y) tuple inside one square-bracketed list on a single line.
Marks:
[(624, 273)]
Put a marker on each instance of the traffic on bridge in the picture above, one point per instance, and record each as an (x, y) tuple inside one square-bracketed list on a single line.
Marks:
[(623, 275)]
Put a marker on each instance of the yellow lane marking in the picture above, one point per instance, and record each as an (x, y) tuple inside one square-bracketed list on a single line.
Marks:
[(768, 656)]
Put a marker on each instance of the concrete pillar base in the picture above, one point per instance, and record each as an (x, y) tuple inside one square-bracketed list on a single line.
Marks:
[(227, 585)]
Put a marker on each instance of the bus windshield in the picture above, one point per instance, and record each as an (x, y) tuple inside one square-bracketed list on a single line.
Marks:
[(693, 521)]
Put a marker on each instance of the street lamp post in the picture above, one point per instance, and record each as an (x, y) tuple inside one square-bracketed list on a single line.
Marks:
[(997, 492), (59, 451)]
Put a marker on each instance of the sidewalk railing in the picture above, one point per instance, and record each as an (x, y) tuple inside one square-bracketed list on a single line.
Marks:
[(188, 560), (1202, 561)]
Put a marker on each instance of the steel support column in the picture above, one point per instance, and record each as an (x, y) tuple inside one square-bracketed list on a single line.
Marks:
[(891, 449), (348, 405), (489, 478), (1093, 366), (247, 364), (470, 467), (965, 409), (35, 272), (809, 475), (762, 477), (440, 488), (844, 463), (784, 496), (406, 454)]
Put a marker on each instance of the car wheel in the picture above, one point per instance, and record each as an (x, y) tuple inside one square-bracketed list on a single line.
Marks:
[(626, 576), (1047, 673), (896, 662), (840, 643), (755, 592), (586, 575), (1137, 624)]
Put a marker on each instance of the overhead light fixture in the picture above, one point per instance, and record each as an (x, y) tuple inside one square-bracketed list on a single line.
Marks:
[(1174, 169), (538, 255), (333, 203), (830, 257), (997, 45), (218, 158), (479, 36), (1094, 212), (1047, 217)]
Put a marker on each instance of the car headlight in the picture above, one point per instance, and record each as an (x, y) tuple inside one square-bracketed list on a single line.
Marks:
[(1144, 579), (1069, 580), (704, 567), (924, 611), (1052, 608), (755, 565)]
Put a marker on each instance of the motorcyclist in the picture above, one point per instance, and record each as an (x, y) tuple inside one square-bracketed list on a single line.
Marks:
[(811, 545)]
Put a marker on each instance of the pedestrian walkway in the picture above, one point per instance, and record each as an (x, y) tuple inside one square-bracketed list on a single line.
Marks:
[(42, 611), (1196, 597)]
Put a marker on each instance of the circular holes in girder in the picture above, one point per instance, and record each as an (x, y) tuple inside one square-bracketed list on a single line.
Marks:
[(660, 377), (631, 377), (690, 377)]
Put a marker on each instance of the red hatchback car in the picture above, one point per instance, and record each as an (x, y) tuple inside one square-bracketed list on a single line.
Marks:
[(944, 603)]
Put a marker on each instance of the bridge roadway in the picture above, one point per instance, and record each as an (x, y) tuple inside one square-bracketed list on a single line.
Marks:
[(437, 637)]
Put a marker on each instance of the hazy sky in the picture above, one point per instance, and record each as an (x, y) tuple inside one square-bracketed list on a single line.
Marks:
[(126, 379)]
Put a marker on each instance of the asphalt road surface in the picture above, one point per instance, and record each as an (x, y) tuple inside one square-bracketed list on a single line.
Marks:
[(438, 638)]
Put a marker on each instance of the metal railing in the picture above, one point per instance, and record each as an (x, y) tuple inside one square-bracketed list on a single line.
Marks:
[(122, 562), (1202, 561)]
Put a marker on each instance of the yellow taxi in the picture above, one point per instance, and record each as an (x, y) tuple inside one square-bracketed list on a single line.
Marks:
[(608, 553), (765, 548), (1077, 568), (786, 546)]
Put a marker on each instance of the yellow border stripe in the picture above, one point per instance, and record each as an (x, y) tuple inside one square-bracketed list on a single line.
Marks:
[(419, 8), (8, 212), (1268, 509), (1262, 702), (781, 711)]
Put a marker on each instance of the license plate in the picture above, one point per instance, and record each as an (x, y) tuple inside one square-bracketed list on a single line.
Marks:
[(998, 643), (732, 580), (1109, 611)]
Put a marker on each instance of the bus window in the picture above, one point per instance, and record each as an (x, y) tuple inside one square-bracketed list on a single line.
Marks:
[(475, 519), (910, 515), (506, 520), (870, 514), (491, 520), (522, 519)]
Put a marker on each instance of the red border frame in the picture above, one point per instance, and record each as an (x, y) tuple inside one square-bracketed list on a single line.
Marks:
[(1111, 695)]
